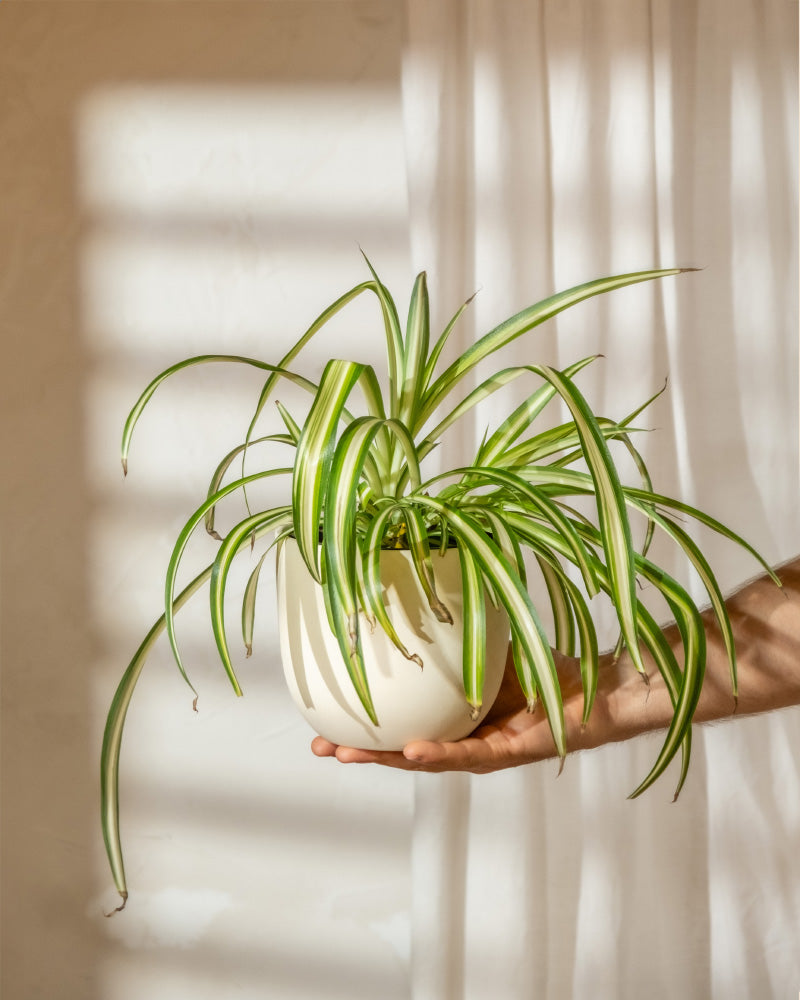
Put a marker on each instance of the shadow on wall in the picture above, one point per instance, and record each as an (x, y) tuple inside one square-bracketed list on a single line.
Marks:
[(183, 178)]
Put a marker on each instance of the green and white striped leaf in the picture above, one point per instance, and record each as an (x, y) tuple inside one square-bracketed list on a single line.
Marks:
[(537, 504), (511, 549), (415, 351), (509, 546), (526, 320), (563, 620), (521, 612), (423, 564), (522, 417), (339, 546), (702, 518), (691, 625), (314, 456), (687, 617), (589, 653), (290, 423), (706, 574), (394, 338), (225, 464), (373, 587), (473, 630), (235, 539), (202, 359), (177, 553), (667, 665), (581, 483), (558, 440), (490, 385), (339, 532), (114, 728), (319, 323), (438, 347), (613, 518), (345, 628), (249, 605), (112, 738), (689, 620), (361, 589)]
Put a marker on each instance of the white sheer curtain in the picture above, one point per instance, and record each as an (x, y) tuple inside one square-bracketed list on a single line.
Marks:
[(549, 143)]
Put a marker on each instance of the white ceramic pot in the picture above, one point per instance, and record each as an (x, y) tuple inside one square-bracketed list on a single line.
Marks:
[(411, 703)]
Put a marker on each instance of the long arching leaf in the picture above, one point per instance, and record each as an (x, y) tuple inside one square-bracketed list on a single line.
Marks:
[(473, 630), (225, 464), (415, 350), (314, 456), (526, 320), (202, 359), (615, 530), (177, 553), (235, 539), (112, 738)]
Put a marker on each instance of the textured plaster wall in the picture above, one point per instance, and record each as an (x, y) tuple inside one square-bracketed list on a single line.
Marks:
[(178, 178)]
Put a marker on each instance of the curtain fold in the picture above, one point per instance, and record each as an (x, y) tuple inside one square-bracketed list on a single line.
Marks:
[(549, 143)]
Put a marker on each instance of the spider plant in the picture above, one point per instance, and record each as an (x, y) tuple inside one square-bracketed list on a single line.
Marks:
[(356, 485)]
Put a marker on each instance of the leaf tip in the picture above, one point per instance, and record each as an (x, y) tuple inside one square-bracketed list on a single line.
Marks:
[(248, 650), (124, 473), (121, 907), (442, 613), (194, 703), (474, 712)]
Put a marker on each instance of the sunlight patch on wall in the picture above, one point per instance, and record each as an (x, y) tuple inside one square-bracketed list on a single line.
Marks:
[(224, 220), (317, 154), (210, 205)]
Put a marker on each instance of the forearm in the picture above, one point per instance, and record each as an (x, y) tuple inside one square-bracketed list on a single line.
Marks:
[(766, 627)]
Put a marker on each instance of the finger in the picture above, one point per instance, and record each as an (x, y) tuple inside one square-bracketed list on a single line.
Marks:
[(464, 755), (488, 749), (351, 755), (322, 747), (388, 758)]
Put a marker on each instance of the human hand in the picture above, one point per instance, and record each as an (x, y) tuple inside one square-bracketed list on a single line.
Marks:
[(509, 735), (766, 627)]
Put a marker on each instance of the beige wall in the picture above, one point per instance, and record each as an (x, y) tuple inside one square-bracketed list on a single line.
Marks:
[(176, 178)]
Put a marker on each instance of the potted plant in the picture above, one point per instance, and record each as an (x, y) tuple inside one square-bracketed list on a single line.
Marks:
[(382, 566)]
